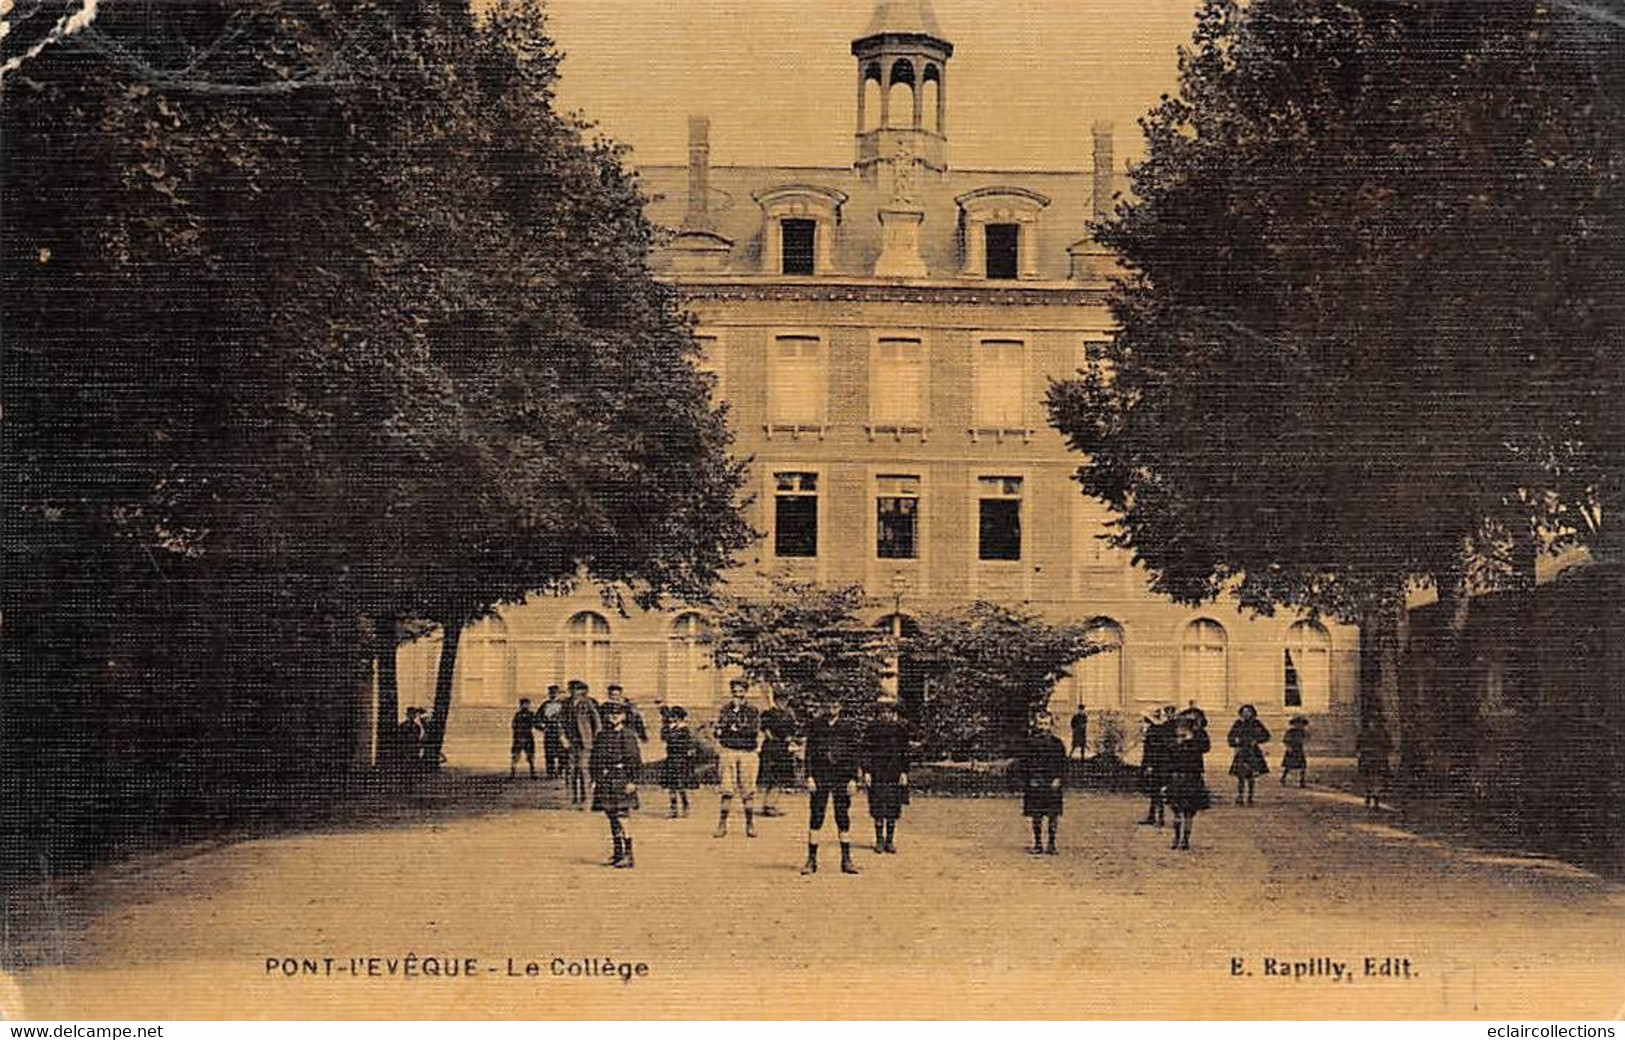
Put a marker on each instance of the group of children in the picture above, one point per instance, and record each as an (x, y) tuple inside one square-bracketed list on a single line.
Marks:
[(756, 745), (1176, 741)]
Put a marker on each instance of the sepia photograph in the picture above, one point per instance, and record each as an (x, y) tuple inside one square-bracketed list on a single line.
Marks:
[(763, 510)]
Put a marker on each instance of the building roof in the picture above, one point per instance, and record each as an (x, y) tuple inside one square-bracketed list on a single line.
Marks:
[(735, 214), (904, 18)]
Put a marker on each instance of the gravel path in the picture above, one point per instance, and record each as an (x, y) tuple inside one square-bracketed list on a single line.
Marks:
[(962, 923)]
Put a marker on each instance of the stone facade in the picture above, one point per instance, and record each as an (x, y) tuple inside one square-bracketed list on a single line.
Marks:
[(883, 335)]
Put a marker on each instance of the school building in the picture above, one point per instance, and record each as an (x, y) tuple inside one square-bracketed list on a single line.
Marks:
[(883, 334)]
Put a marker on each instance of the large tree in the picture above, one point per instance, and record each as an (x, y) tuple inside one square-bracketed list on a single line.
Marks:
[(318, 319), (1370, 323)]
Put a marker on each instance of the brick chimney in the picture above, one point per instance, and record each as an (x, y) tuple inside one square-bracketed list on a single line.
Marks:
[(1103, 171), (698, 215)]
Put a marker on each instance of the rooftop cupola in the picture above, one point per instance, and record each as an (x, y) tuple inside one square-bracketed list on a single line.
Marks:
[(902, 87)]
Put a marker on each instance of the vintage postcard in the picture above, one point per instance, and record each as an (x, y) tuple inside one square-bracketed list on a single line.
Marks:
[(867, 509)]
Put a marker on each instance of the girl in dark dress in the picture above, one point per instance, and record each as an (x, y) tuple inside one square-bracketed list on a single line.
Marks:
[(887, 763), (1246, 734), (613, 766), (1187, 784), (1297, 736), (1040, 768), (677, 772)]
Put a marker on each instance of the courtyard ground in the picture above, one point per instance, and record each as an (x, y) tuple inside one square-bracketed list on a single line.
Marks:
[(961, 923)]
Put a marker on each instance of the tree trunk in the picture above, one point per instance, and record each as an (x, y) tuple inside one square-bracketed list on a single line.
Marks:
[(1411, 727), (1457, 716), (1379, 666), (387, 642), (451, 633)]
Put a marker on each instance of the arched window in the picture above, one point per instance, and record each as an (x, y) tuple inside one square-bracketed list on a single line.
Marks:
[(691, 676), (931, 99), (873, 89), (484, 666), (588, 653), (1099, 677), (900, 95), (1204, 664), (1306, 667)]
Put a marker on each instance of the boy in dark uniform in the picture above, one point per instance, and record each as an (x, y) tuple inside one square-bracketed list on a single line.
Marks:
[(832, 769), (888, 774), (738, 731), (614, 766), (524, 739), (616, 693), (1040, 768)]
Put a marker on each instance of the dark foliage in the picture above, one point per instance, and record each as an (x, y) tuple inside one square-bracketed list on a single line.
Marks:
[(1371, 323), (318, 319), (990, 670)]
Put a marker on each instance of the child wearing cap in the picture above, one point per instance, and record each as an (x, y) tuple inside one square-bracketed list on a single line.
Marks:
[(1041, 767), (677, 773), (614, 766)]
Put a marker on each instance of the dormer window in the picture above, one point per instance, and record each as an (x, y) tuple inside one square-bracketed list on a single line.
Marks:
[(798, 231), (1000, 228), (1003, 250), (799, 244)]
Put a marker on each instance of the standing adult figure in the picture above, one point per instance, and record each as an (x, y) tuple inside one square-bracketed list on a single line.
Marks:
[(1156, 741), (614, 766), (1080, 732), (1187, 782), (738, 731), (1247, 735), (551, 715), (887, 764), (410, 737), (1041, 768), (777, 764), (1371, 750), (581, 725), (832, 771)]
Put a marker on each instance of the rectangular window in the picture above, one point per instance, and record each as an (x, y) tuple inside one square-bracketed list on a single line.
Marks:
[(795, 516), (1000, 519), (897, 518), (798, 381), (899, 380), (799, 237), (1000, 373), (1003, 247)]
